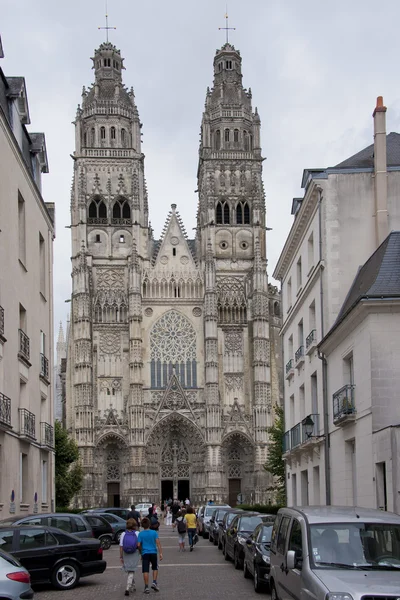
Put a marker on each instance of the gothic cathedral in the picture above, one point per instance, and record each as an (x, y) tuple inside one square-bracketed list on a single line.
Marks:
[(173, 365)]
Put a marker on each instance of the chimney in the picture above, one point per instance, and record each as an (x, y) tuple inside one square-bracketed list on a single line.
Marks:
[(380, 169)]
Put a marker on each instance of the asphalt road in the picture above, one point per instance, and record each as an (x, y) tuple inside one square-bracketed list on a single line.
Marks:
[(199, 575)]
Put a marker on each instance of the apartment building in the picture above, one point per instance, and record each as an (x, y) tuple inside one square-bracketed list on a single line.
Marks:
[(346, 212), (26, 311)]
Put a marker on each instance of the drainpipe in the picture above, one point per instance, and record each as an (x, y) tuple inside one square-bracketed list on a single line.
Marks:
[(324, 364)]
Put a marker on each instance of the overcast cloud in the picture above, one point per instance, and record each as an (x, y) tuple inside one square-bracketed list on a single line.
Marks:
[(315, 69)]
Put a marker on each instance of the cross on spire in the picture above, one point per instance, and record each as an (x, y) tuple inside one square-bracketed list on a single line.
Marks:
[(106, 27), (227, 28)]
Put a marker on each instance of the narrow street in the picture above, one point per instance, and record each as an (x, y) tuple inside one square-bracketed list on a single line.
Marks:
[(199, 575)]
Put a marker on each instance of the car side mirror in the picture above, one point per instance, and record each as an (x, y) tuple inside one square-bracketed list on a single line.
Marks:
[(290, 559)]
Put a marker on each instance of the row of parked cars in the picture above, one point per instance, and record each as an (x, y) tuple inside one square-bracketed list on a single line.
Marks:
[(244, 538)]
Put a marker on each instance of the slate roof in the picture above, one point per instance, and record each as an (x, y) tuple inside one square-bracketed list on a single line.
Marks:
[(365, 158), (15, 85), (378, 278)]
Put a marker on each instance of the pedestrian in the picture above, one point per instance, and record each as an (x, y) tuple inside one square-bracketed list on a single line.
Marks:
[(154, 522), (168, 516), (134, 514), (187, 502), (129, 553), (181, 527), (174, 509), (149, 543), (191, 523)]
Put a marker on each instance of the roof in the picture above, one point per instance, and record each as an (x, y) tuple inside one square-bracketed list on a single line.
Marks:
[(15, 85), (379, 277), (365, 158), (343, 514)]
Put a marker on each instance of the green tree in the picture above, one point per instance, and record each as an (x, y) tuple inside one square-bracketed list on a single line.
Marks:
[(275, 463), (69, 472)]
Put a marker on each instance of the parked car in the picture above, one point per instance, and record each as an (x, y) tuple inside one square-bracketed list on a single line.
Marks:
[(204, 516), (115, 510), (15, 581), (89, 525), (118, 525), (143, 508), (50, 554), (213, 527), (226, 521), (256, 561), (236, 535), (335, 552)]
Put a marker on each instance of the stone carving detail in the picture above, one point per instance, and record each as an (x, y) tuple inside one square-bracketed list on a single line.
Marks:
[(148, 311), (173, 339), (196, 311), (174, 400), (183, 471), (184, 260), (113, 473), (174, 240), (110, 343), (167, 471), (232, 304), (113, 456), (110, 278), (164, 259), (233, 341), (175, 448), (233, 382), (235, 471), (234, 454)]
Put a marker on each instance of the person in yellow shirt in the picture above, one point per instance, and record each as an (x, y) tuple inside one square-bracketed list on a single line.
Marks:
[(191, 524)]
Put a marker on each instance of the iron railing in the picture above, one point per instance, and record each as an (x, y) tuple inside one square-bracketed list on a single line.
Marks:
[(289, 366), (311, 338), (295, 436), (118, 221), (97, 221), (1, 320), (5, 410), (24, 344), (27, 423), (47, 435), (299, 354), (44, 366), (343, 402)]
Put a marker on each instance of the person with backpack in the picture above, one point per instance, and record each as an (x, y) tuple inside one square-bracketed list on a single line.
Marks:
[(154, 522), (181, 527), (129, 553)]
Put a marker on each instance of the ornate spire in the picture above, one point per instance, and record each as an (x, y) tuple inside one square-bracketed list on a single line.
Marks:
[(61, 339)]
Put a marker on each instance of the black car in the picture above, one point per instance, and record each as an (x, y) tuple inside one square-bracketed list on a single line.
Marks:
[(236, 535), (52, 555), (119, 512), (215, 521), (222, 527), (83, 526), (256, 562)]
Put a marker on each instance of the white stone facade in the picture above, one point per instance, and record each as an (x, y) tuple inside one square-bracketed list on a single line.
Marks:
[(26, 312), (170, 382), (334, 232)]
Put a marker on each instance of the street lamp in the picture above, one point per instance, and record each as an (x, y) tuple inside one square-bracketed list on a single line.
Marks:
[(308, 425)]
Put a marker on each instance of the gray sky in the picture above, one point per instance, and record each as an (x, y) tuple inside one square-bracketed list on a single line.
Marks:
[(315, 69)]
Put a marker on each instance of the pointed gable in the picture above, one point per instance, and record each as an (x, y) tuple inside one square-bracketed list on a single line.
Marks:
[(173, 248), (174, 398), (236, 420)]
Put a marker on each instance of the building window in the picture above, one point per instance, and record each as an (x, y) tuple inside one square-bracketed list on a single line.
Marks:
[(316, 487), (236, 135), (121, 209), (351, 473), (122, 239), (220, 65), (310, 250), (226, 135), (23, 478), (97, 210), (381, 486), (222, 213), (42, 343), (107, 62), (123, 137), (217, 139), (299, 274), (42, 265), (302, 402), (348, 369), (92, 136), (304, 487), (229, 64), (44, 481), (246, 140), (98, 240), (173, 251), (85, 139), (112, 131), (289, 293), (102, 133), (22, 318), (294, 489), (21, 229)]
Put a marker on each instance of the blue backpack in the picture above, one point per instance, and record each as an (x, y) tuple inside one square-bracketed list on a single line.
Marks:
[(130, 542)]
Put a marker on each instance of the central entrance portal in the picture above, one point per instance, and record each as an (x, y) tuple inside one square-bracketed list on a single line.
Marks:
[(167, 489), (183, 489)]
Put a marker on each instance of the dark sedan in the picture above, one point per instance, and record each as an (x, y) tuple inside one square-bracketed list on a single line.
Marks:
[(215, 521), (256, 562), (239, 530), (49, 554), (223, 527)]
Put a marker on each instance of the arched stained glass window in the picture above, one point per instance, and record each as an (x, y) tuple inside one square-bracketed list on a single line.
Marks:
[(239, 214), (226, 213), (217, 139), (222, 213)]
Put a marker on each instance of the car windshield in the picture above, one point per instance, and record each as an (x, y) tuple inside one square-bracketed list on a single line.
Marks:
[(209, 511), (249, 523), (220, 513), (230, 518), (266, 534), (356, 545)]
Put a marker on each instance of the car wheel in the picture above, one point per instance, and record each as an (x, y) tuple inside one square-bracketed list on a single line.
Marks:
[(205, 535), (274, 595), (105, 542), (225, 553), (236, 560), (65, 576), (246, 573), (219, 545), (215, 542), (210, 539), (257, 583)]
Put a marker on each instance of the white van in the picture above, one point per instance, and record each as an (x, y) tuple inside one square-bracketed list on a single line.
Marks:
[(335, 553)]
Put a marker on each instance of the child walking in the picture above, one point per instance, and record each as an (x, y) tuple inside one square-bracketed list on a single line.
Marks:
[(149, 543), (129, 553)]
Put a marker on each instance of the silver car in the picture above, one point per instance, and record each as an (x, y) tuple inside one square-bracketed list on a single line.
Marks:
[(205, 515), (335, 553), (15, 581)]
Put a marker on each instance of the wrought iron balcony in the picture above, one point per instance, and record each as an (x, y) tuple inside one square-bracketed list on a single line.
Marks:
[(343, 404), (44, 366), (289, 369), (299, 356), (295, 436), (1, 320), (286, 442), (310, 428), (24, 345), (311, 341), (47, 435), (27, 426), (5, 410)]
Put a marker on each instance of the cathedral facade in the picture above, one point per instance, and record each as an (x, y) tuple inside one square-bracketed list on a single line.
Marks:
[(173, 360)]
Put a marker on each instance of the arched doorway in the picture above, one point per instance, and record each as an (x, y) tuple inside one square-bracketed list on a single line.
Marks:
[(175, 455), (110, 461), (238, 459)]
